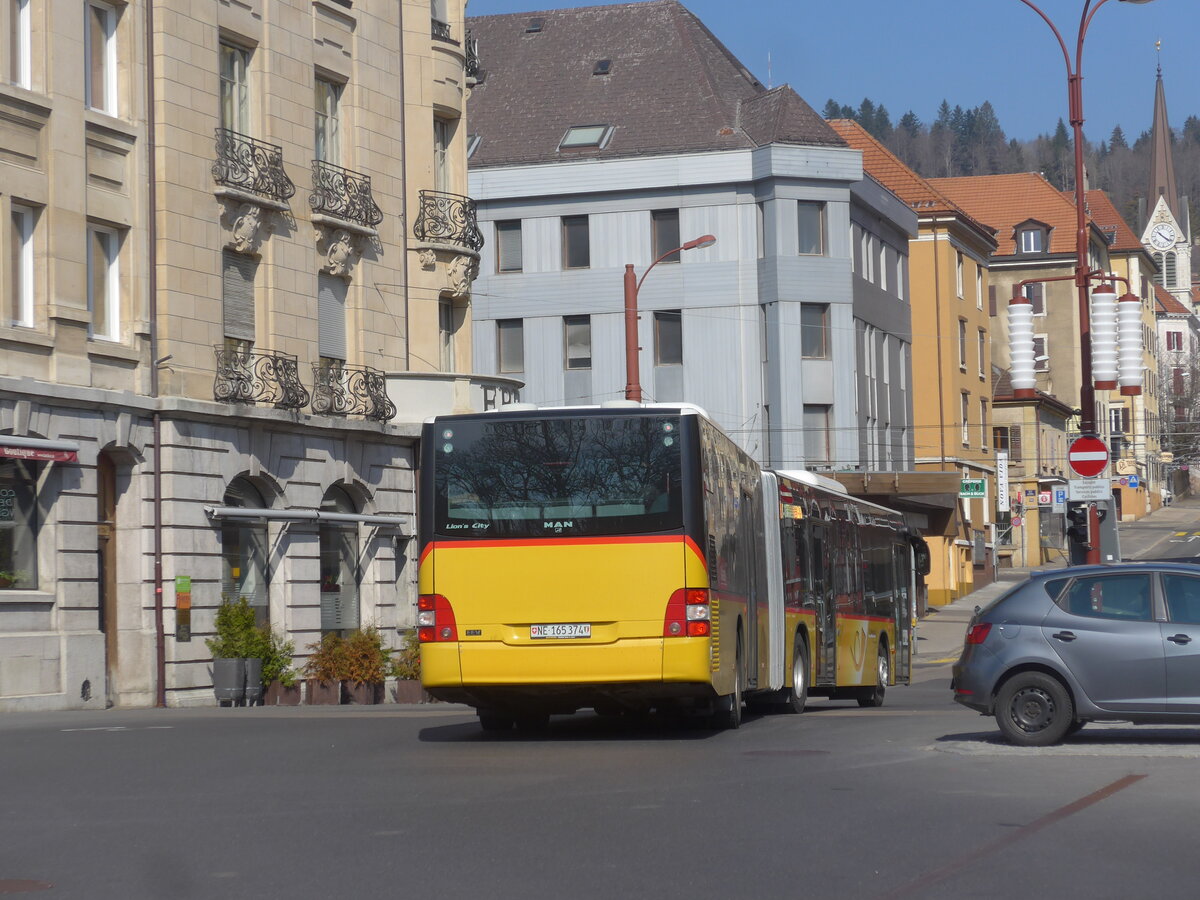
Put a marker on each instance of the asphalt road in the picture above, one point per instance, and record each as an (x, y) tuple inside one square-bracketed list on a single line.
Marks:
[(917, 799)]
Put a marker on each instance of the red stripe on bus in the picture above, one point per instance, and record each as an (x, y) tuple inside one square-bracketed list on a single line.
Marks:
[(865, 618)]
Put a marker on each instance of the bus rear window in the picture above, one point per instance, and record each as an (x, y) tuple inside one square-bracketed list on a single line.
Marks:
[(558, 476)]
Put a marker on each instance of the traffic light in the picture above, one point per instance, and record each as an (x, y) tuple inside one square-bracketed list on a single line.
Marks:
[(1077, 531)]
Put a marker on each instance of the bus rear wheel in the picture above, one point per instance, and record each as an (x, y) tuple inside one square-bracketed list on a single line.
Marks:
[(727, 712), (494, 721), (873, 696), (796, 696)]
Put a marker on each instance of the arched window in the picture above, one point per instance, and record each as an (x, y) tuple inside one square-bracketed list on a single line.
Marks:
[(339, 564), (244, 551)]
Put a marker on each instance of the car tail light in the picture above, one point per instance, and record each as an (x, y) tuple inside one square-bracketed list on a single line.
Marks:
[(688, 614), (978, 633), (435, 619)]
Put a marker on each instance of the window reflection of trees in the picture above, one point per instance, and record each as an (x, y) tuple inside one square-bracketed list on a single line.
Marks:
[(576, 468)]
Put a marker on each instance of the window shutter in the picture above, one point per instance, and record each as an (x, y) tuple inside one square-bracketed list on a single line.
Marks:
[(991, 300), (1014, 443), (331, 317), (237, 295), (508, 246)]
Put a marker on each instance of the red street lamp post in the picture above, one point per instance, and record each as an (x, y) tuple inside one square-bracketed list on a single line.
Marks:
[(1087, 394), (633, 387)]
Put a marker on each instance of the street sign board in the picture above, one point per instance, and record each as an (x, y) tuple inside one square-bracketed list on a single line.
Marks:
[(1088, 489), (1087, 457), (972, 488)]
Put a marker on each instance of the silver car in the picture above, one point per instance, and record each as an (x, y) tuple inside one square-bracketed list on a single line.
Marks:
[(1086, 644)]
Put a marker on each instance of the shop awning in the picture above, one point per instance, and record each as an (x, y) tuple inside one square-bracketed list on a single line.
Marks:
[(38, 449)]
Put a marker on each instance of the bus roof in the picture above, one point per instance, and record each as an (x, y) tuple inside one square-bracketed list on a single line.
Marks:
[(611, 406)]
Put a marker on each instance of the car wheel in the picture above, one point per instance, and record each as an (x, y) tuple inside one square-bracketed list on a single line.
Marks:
[(1033, 709), (1075, 727), (727, 714), (796, 696), (873, 696)]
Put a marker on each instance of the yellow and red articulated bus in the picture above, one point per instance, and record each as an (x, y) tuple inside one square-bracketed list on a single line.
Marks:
[(634, 558)]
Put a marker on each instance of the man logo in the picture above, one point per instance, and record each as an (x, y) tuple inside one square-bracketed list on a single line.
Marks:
[(558, 526)]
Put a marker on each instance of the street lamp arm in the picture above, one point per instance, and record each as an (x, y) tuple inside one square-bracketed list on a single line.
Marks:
[(706, 240), (1061, 43)]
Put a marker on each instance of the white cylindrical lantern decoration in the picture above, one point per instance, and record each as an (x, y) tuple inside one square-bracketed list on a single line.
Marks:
[(1129, 340), (1104, 338), (1020, 344)]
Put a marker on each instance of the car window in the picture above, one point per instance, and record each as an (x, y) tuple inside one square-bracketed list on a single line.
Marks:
[(1183, 597), (1109, 597)]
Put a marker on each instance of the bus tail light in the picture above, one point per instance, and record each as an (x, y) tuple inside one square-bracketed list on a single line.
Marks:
[(978, 633), (688, 614), (435, 619)]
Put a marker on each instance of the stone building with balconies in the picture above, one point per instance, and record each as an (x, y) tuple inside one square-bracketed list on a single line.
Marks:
[(221, 280)]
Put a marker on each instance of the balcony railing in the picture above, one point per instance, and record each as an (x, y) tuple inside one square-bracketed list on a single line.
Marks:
[(448, 219), (471, 67), (440, 30), (258, 376), (341, 390), (344, 194), (251, 165)]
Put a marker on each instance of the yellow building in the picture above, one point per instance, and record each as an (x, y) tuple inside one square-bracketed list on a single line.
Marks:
[(951, 367)]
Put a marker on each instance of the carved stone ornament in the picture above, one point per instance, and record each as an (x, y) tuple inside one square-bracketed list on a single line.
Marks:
[(340, 249), (248, 228), (462, 271), (428, 259)]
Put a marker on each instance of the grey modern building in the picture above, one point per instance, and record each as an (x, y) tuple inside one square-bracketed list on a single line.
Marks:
[(607, 136)]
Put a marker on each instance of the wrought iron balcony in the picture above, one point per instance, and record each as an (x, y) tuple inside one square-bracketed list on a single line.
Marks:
[(471, 67), (341, 390), (441, 31), (344, 194), (258, 376), (251, 165), (448, 219)]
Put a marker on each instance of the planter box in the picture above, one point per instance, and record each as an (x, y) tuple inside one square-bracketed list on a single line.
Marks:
[(361, 693), (322, 693), (229, 681), (278, 695), (409, 692), (254, 685)]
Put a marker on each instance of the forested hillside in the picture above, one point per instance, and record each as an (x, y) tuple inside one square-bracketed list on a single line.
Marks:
[(972, 142)]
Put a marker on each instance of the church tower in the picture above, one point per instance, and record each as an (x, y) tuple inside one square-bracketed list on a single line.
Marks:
[(1167, 231)]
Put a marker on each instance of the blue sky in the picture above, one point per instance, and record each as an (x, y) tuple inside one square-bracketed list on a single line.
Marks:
[(912, 54)]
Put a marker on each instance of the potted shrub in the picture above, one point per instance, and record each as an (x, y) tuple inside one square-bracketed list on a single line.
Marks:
[(366, 666), (325, 669), (237, 649), (281, 683), (406, 669)]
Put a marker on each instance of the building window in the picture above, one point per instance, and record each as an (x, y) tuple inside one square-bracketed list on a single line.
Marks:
[(1041, 353), (18, 525), (576, 249), (20, 266), (1178, 380), (668, 338), (1007, 439), (443, 134), (340, 574), (810, 222), (1031, 240), (1174, 340), (237, 295), (983, 425), (19, 68), (816, 435), (508, 246), (103, 282), (100, 51), (1036, 294), (664, 225), (883, 267), (331, 317), (965, 410), (235, 88), (814, 330), (327, 102), (510, 345), (447, 329), (244, 571), (979, 287), (958, 274), (982, 338), (962, 344), (440, 14), (577, 341)]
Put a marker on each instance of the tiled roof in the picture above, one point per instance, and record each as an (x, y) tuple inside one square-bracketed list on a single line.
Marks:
[(671, 87), (886, 168), (1006, 201), (1168, 304), (1108, 220)]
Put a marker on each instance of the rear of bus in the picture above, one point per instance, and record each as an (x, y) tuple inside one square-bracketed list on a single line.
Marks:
[(559, 562)]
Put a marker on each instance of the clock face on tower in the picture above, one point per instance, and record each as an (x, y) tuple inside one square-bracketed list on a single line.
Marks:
[(1162, 236)]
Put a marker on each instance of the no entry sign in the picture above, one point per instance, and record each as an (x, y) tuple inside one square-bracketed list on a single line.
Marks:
[(1087, 457)]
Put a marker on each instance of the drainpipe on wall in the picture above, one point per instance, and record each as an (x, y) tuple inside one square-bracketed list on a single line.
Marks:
[(405, 218), (160, 643)]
